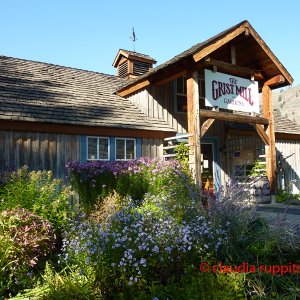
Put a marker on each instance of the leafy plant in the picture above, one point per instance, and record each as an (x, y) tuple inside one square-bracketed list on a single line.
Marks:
[(96, 180), (26, 242), (194, 285), (259, 169), (107, 207), (39, 193), (283, 196), (182, 154), (70, 283)]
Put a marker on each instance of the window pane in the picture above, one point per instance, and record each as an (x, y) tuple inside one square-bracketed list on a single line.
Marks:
[(130, 149), (180, 85), (184, 85), (202, 89), (181, 103), (92, 148), (120, 149), (103, 148)]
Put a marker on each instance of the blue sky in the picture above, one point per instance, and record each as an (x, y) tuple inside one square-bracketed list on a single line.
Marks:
[(87, 34)]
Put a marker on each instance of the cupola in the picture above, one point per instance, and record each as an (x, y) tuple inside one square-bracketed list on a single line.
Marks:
[(131, 64)]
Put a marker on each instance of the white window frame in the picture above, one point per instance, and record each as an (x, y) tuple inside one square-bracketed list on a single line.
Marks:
[(125, 139), (98, 138)]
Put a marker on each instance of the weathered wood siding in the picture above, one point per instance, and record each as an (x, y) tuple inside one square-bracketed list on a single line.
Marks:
[(158, 102), (40, 151), (288, 152), (152, 148)]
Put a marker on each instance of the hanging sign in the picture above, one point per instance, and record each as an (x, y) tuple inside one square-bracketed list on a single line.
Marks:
[(231, 92)]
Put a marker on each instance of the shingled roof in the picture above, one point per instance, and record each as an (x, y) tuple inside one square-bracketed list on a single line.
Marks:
[(40, 92), (285, 125)]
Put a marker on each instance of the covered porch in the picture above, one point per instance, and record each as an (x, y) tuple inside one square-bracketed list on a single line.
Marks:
[(239, 53)]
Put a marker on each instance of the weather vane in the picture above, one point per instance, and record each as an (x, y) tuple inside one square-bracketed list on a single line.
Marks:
[(133, 38)]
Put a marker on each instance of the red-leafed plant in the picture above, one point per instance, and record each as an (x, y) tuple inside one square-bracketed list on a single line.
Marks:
[(29, 240)]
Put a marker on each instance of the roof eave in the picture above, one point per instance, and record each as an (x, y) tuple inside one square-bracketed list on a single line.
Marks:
[(118, 57)]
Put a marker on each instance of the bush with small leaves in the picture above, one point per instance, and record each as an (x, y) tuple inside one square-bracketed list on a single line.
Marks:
[(70, 283), (28, 240), (38, 192)]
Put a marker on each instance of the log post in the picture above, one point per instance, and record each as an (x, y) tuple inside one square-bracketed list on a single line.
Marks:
[(194, 126), (270, 149)]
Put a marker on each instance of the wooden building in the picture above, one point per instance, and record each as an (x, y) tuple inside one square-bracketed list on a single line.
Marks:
[(50, 114)]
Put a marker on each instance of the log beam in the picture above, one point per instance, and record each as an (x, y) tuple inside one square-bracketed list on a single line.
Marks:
[(233, 117), (235, 69), (270, 149), (170, 78), (261, 132), (134, 88), (205, 126), (213, 46), (194, 126), (276, 80)]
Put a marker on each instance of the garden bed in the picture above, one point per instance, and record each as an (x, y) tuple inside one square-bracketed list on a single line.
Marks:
[(139, 231)]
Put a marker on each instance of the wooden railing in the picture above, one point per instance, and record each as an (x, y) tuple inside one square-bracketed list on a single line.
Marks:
[(171, 143)]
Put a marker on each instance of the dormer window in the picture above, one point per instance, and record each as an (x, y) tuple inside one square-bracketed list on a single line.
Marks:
[(131, 64)]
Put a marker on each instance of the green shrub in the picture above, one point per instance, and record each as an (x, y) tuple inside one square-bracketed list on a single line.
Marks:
[(6, 264), (39, 193), (26, 241), (70, 283), (182, 154), (105, 208), (193, 286), (265, 286), (283, 196), (135, 185), (259, 169), (94, 181)]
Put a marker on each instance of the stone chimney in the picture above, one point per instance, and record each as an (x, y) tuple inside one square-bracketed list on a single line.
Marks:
[(131, 64)]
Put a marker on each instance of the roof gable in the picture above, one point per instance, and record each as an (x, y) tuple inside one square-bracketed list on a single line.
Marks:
[(252, 50), (132, 55)]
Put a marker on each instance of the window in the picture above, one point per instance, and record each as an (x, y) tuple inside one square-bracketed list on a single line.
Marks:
[(181, 98), (181, 93), (97, 148), (125, 149)]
